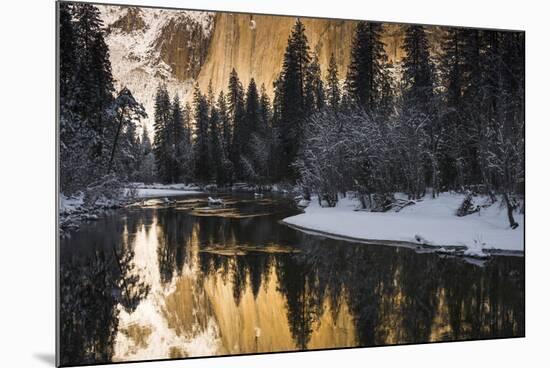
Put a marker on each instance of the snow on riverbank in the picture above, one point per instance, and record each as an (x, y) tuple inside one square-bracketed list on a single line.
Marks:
[(141, 190), (175, 186), (75, 203), (73, 210), (70, 204), (152, 192), (431, 222)]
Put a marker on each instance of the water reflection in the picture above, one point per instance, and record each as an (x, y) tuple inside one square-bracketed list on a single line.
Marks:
[(161, 281)]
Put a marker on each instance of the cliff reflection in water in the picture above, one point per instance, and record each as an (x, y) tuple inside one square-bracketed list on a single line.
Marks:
[(161, 282)]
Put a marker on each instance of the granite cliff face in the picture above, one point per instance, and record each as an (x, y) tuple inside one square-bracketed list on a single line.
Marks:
[(183, 45), (255, 45), (180, 48), (175, 39), (152, 46)]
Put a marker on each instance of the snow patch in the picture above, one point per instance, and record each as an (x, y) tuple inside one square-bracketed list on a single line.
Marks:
[(141, 190), (69, 204), (150, 193)]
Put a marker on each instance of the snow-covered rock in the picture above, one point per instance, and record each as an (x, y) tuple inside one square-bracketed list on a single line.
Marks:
[(215, 201), (152, 46)]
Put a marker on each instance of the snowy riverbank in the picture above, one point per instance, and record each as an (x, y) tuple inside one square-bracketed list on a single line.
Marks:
[(73, 210), (141, 190), (431, 223)]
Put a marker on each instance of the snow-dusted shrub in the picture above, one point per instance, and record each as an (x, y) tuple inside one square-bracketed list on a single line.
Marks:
[(249, 168), (347, 151), (467, 207), (107, 190), (321, 163)]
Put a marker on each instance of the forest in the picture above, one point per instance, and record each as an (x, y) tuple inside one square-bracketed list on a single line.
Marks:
[(450, 119)]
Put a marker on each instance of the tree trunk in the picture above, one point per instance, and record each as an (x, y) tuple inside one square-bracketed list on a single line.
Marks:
[(371, 205), (307, 194), (363, 202), (114, 145), (510, 208), (435, 181)]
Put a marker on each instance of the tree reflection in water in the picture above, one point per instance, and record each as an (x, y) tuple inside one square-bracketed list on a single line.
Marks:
[(174, 232), (333, 293), (92, 286)]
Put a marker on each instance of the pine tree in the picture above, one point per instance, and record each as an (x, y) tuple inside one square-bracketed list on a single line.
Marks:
[(418, 70), (186, 146), (265, 137), (161, 145), (472, 97), (177, 144), (314, 88), (129, 149), (292, 99), (86, 97), (277, 102), (187, 117), (333, 85), (419, 103), (216, 153), (388, 96), (225, 127), (366, 72), (67, 53), (147, 159), (210, 94), (235, 98), (276, 152), (201, 142), (502, 138), (128, 113), (225, 124), (264, 122), (99, 145), (244, 133), (94, 93), (71, 153), (252, 117), (146, 146), (453, 116)]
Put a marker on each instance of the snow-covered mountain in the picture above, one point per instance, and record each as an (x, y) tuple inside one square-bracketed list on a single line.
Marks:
[(180, 47), (152, 46)]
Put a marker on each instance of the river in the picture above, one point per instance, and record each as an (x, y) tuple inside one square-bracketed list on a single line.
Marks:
[(180, 279)]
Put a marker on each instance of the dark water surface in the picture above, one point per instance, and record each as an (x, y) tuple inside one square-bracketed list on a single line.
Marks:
[(181, 279)]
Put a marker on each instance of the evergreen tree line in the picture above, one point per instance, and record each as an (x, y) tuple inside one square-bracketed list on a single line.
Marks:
[(454, 121), (99, 146), (231, 139), (240, 135), (448, 122)]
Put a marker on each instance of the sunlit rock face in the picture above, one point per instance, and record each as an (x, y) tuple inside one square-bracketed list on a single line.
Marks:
[(183, 45), (180, 48), (174, 38), (130, 20), (255, 45)]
